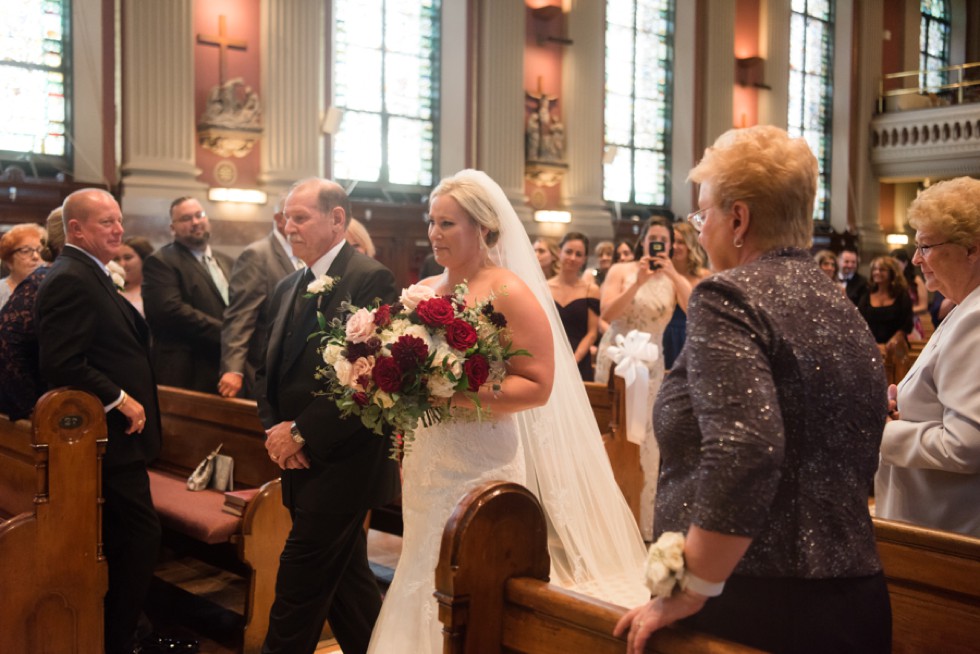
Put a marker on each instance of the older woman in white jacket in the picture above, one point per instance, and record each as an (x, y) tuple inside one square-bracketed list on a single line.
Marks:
[(930, 451)]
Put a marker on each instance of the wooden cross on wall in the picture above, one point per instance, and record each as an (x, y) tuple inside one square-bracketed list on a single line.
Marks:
[(223, 43)]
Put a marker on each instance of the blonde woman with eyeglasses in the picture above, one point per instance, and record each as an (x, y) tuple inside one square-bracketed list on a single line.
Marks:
[(20, 251), (930, 450)]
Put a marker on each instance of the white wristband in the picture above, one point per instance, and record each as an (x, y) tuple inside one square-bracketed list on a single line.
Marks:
[(696, 584)]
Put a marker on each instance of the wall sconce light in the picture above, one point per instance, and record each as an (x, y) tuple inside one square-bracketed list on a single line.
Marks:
[(897, 239), (751, 71), (553, 216), (547, 14), (331, 120), (239, 195)]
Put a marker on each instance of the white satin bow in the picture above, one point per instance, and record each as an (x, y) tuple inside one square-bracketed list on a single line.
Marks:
[(633, 354)]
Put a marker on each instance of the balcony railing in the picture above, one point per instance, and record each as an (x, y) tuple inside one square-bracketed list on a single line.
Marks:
[(928, 131)]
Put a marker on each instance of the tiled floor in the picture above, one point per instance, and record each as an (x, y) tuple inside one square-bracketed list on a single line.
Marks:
[(191, 599)]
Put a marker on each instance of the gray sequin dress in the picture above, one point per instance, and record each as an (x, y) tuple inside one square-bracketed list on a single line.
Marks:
[(769, 426)]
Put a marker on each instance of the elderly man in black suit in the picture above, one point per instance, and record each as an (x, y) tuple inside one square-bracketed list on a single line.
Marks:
[(92, 338), (185, 292), (245, 330), (335, 470)]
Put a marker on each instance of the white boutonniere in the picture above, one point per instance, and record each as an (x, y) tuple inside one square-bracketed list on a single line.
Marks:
[(321, 286), (118, 275)]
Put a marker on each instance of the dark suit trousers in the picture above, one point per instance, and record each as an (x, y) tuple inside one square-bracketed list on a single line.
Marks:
[(323, 574), (131, 534)]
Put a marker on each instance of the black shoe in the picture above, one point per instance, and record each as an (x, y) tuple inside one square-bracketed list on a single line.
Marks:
[(159, 644)]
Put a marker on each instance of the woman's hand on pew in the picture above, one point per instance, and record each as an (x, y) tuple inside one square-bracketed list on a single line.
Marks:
[(134, 412), (282, 447), (656, 614)]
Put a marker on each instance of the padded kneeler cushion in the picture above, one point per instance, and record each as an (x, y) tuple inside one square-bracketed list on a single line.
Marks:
[(197, 514)]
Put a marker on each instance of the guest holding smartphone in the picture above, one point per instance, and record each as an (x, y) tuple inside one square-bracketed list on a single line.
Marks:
[(641, 295)]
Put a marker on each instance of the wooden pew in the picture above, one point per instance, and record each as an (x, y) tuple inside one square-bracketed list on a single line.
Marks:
[(609, 406), (53, 575), (498, 599), (194, 424), (934, 582)]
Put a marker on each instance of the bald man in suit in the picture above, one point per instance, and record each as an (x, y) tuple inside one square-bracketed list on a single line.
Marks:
[(92, 338)]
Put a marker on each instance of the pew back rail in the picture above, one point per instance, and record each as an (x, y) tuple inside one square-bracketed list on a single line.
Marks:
[(53, 572), (498, 599)]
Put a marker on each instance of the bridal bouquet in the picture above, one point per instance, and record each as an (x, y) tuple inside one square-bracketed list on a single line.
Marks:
[(398, 364)]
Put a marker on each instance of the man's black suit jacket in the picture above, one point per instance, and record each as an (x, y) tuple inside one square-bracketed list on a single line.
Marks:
[(856, 287), (184, 309), (92, 338), (350, 469)]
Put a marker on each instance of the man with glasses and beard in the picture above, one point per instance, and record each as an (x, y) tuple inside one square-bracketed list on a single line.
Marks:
[(185, 292)]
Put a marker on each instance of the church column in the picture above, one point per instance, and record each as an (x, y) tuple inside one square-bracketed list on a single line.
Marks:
[(583, 73), (774, 106), (719, 69), (864, 183), (292, 90), (500, 97), (158, 100)]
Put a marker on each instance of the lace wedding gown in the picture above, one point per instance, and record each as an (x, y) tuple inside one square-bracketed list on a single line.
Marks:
[(650, 312), (445, 462)]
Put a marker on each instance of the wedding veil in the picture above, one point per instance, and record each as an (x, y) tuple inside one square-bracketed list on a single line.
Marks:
[(593, 540)]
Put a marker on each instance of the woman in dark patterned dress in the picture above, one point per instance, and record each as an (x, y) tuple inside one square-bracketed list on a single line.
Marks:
[(769, 424)]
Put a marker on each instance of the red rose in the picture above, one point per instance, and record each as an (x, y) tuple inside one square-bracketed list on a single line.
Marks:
[(460, 334), (361, 398), (477, 369), (410, 352), (436, 312), (387, 375), (382, 315)]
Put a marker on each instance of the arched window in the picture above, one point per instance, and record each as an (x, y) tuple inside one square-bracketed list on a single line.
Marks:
[(386, 82), (811, 72), (934, 30), (34, 81), (639, 90)]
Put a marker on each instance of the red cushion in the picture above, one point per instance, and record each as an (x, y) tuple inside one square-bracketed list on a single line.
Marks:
[(195, 513)]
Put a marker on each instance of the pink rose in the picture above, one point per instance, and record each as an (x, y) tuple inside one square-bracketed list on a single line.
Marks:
[(414, 294), (359, 370), (360, 326)]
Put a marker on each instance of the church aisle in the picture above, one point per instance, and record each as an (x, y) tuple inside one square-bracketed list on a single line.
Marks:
[(191, 599)]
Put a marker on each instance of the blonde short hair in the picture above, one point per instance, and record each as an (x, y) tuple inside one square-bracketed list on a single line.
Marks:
[(951, 208), (825, 255), (358, 234), (774, 174), (472, 197), (16, 236)]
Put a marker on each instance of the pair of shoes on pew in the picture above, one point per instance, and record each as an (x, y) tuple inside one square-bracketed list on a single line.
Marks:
[(159, 644)]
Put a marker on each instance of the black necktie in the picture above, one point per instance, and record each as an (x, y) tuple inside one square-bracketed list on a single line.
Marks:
[(302, 301)]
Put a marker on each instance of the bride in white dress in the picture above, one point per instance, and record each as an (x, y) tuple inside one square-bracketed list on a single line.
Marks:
[(541, 432)]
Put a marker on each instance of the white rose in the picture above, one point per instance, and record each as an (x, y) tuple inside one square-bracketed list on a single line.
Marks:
[(360, 326), (447, 358), (320, 285), (344, 371), (440, 386), (331, 354), (414, 294)]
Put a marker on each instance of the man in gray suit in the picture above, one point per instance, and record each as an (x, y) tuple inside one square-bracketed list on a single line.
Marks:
[(185, 292), (245, 328)]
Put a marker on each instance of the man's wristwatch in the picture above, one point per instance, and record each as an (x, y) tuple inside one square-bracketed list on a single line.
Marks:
[(294, 432)]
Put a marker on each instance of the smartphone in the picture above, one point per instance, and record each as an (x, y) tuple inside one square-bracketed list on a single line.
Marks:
[(656, 247)]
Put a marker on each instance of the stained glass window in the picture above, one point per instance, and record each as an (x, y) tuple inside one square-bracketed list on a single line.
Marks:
[(639, 88), (386, 82), (33, 74), (811, 74), (934, 29)]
